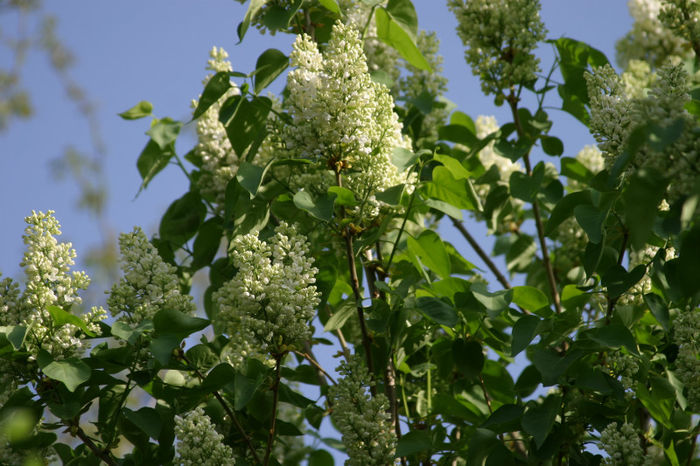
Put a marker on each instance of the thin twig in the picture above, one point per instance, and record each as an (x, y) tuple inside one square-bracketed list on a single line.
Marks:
[(355, 283), (104, 455), (481, 253), (275, 401), (513, 102), (314, 363)]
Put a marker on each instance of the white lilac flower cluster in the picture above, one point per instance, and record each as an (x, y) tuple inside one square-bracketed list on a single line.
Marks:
[(500, 37), (635, 295), (199, 444), (149, 283), (687, 337), (49, 282), (341, 119), (269, 303), (649, 39), (219, 160), (616, 110), (363, 420)]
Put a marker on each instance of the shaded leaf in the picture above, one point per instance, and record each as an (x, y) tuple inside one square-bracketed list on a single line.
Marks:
[(271, 63)]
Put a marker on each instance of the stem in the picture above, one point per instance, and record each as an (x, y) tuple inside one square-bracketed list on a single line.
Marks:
[(486, 395), (314, 363), (390, 380), (105, 456), (226, 407), (620, 257), (403, 226), (275, 401), (513, 102), (481, 253), (355, 283)]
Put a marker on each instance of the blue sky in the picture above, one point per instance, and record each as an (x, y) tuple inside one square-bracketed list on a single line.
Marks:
[(156, 50)]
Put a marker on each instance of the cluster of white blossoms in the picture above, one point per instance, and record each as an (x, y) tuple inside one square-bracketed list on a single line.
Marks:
[(623, 446), (49, 282), (219, 160), (341, 119), (649, 39), (362, 420), (635, 295), (500, 37), (687, 337), (269, 303), (682, 17), (149, 283), (617, 109), (198, 442)]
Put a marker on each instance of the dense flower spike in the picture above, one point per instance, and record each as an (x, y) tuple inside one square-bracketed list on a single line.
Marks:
[(49, 282), (270, 301), (618, 107), (363, 420), (622, 445), (687, 337), (341, 118), (500, 36), (199, 444), (219, 160), (149, 284), (683, 18)]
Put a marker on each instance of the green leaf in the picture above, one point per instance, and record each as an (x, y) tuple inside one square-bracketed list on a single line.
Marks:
[(320, 207), (524, 332), (182, 219), (618, 280), (343, 196), (432, 252), (456, 169), (529, 298), (457, 133), (146, 419), (140, 110), (591, 220), (71, 371), (504, 419), (253, 9), (271, 63), (392, 195), (216, 87), (495, 302), (438, 310), (246, 122), (528, 381), (659, 309), (164, 132), (152, 160), (61, 317), (526, 187), (575, 170), (405, 14), (565, 209), (689, 262), (538, 420), (414, 441), (330, 5), (207, 243), (251, 176), (243, 390), (552, 145), (173, 322), (403, 158), (446, 188), (338, 319), (613, 335), (126, 333), (642, 197), (394, 34), (320, 458), (469, 357), (13, 334)]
